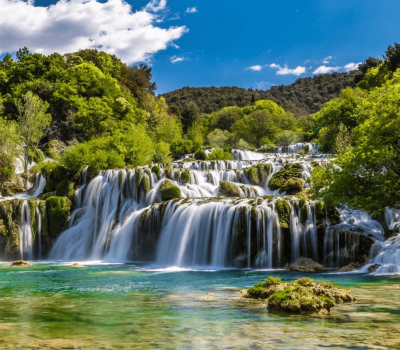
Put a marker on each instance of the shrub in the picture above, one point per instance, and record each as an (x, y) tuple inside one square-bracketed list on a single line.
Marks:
[(7, 168), (219, 154)]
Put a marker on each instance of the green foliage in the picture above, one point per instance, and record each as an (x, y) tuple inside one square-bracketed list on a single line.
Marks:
[(7, 167), (286, 137), (305, 281), (200, 155), (58, 209), (162, 153), (219, 154), (156, 170), (169, 190), (181, 147), (65, 189), (303, 97), (218, 138)]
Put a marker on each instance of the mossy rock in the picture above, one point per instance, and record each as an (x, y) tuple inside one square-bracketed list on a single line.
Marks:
[(35, 155), (303, 296), (139, 175), (185, 176), (65, 189), (258, 174), (169, 190), (283, 209), (156, 170), (145, 184), (58, 211), (228, 189), (288, 179)]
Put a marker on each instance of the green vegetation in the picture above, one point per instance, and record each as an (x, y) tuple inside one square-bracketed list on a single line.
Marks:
[(169, 190), (228, 189), (58, 210), (288, 179), (305, 96), (363, 126)]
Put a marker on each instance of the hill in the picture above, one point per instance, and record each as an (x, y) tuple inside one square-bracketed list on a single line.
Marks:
[(305, 96)]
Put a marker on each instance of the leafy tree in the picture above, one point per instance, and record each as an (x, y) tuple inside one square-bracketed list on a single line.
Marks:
[(392, 56), (180, 147), (218, 138), (162, 153), (33, 120), (195, 133), (220, 154), (286, 137), (190, 113), (10, 142)]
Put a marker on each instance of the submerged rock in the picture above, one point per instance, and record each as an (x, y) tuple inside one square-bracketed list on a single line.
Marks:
[(349, 267), (307, 265), (302, 296), (228, 189), (20, 263), (289, 179), (169, 190), (76, 265)]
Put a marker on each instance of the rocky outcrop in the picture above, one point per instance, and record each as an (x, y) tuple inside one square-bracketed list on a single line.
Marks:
[(288, 179), (302, 296), (257, 175), (8, 189), (20, 263), (307, 265), (169, 190), (58, 211), (228, 189)]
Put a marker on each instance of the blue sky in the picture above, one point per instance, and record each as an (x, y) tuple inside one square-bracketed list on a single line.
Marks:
[(219, 42)]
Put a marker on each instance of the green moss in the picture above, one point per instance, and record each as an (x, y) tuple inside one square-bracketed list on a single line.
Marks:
[(169, 190), (305, 281), (271, 281), (283, 209), (139, 175), (156, 170), (185, 176), (58, 210), (147, 171), (288, 179), (228, 189), (65, 189), (145, 183), (35, 155)]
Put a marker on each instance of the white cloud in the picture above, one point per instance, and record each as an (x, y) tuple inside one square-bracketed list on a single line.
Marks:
[(325, 69), (351, 66), (288, 71), (326, 60), (175, 59), (68, 26), (257, 67), (191, 9)]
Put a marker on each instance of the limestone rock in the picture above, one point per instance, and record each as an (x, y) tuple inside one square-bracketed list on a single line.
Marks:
[(349, 267), (228, 189), (288, 179), (373, 267), (169, 190), (20, 263), (76, 265), (258, 174), (307, 265)]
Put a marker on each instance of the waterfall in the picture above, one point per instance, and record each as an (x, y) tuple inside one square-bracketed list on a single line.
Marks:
[(25, 233), (39, 231)]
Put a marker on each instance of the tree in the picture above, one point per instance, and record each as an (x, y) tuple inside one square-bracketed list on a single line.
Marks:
[(32, 120), (218, 138), (392, 56), (10, 140)]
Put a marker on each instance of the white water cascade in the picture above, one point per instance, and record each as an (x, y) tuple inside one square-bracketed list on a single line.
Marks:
[(25, 233)]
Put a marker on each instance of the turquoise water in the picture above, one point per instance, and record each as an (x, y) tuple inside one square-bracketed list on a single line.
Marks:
[(129, 306)]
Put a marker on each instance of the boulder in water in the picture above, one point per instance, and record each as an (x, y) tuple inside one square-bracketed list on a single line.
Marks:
[(373, 267), (302, 296), (288, 179), (307, 265), (20, 263), (258, 174), (228, 189), (349, 267), (169, 190), (76, 265)]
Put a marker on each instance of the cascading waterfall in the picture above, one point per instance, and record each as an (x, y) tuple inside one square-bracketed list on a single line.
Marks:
[(25, 233)]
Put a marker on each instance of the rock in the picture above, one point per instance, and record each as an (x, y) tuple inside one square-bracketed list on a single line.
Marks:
[(156, 170), (76, 265), (228, 189), (65, 189), (348, 268), (258, 174), (286, 267), (288, 179), (302, 296), (373, 267), (307, 265), (169, 190), (185, 176), (58, 211), (9, 189), (20, 263)]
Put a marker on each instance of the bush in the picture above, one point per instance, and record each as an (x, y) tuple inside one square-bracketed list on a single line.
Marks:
[(219, 154), (7, 168), (65, 189), (181, 147), (201, 155)]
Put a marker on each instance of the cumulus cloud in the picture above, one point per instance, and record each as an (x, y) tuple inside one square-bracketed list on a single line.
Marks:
[(326, 60), (257, 67), (68, 26), (324, 69), (191, 9), (288, 71), (351, 66), (175, 59)]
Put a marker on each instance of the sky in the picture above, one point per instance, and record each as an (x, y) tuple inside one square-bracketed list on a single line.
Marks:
[(197, 43)]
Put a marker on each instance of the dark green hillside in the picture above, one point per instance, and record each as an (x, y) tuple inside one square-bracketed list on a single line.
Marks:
[(305, 96)]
